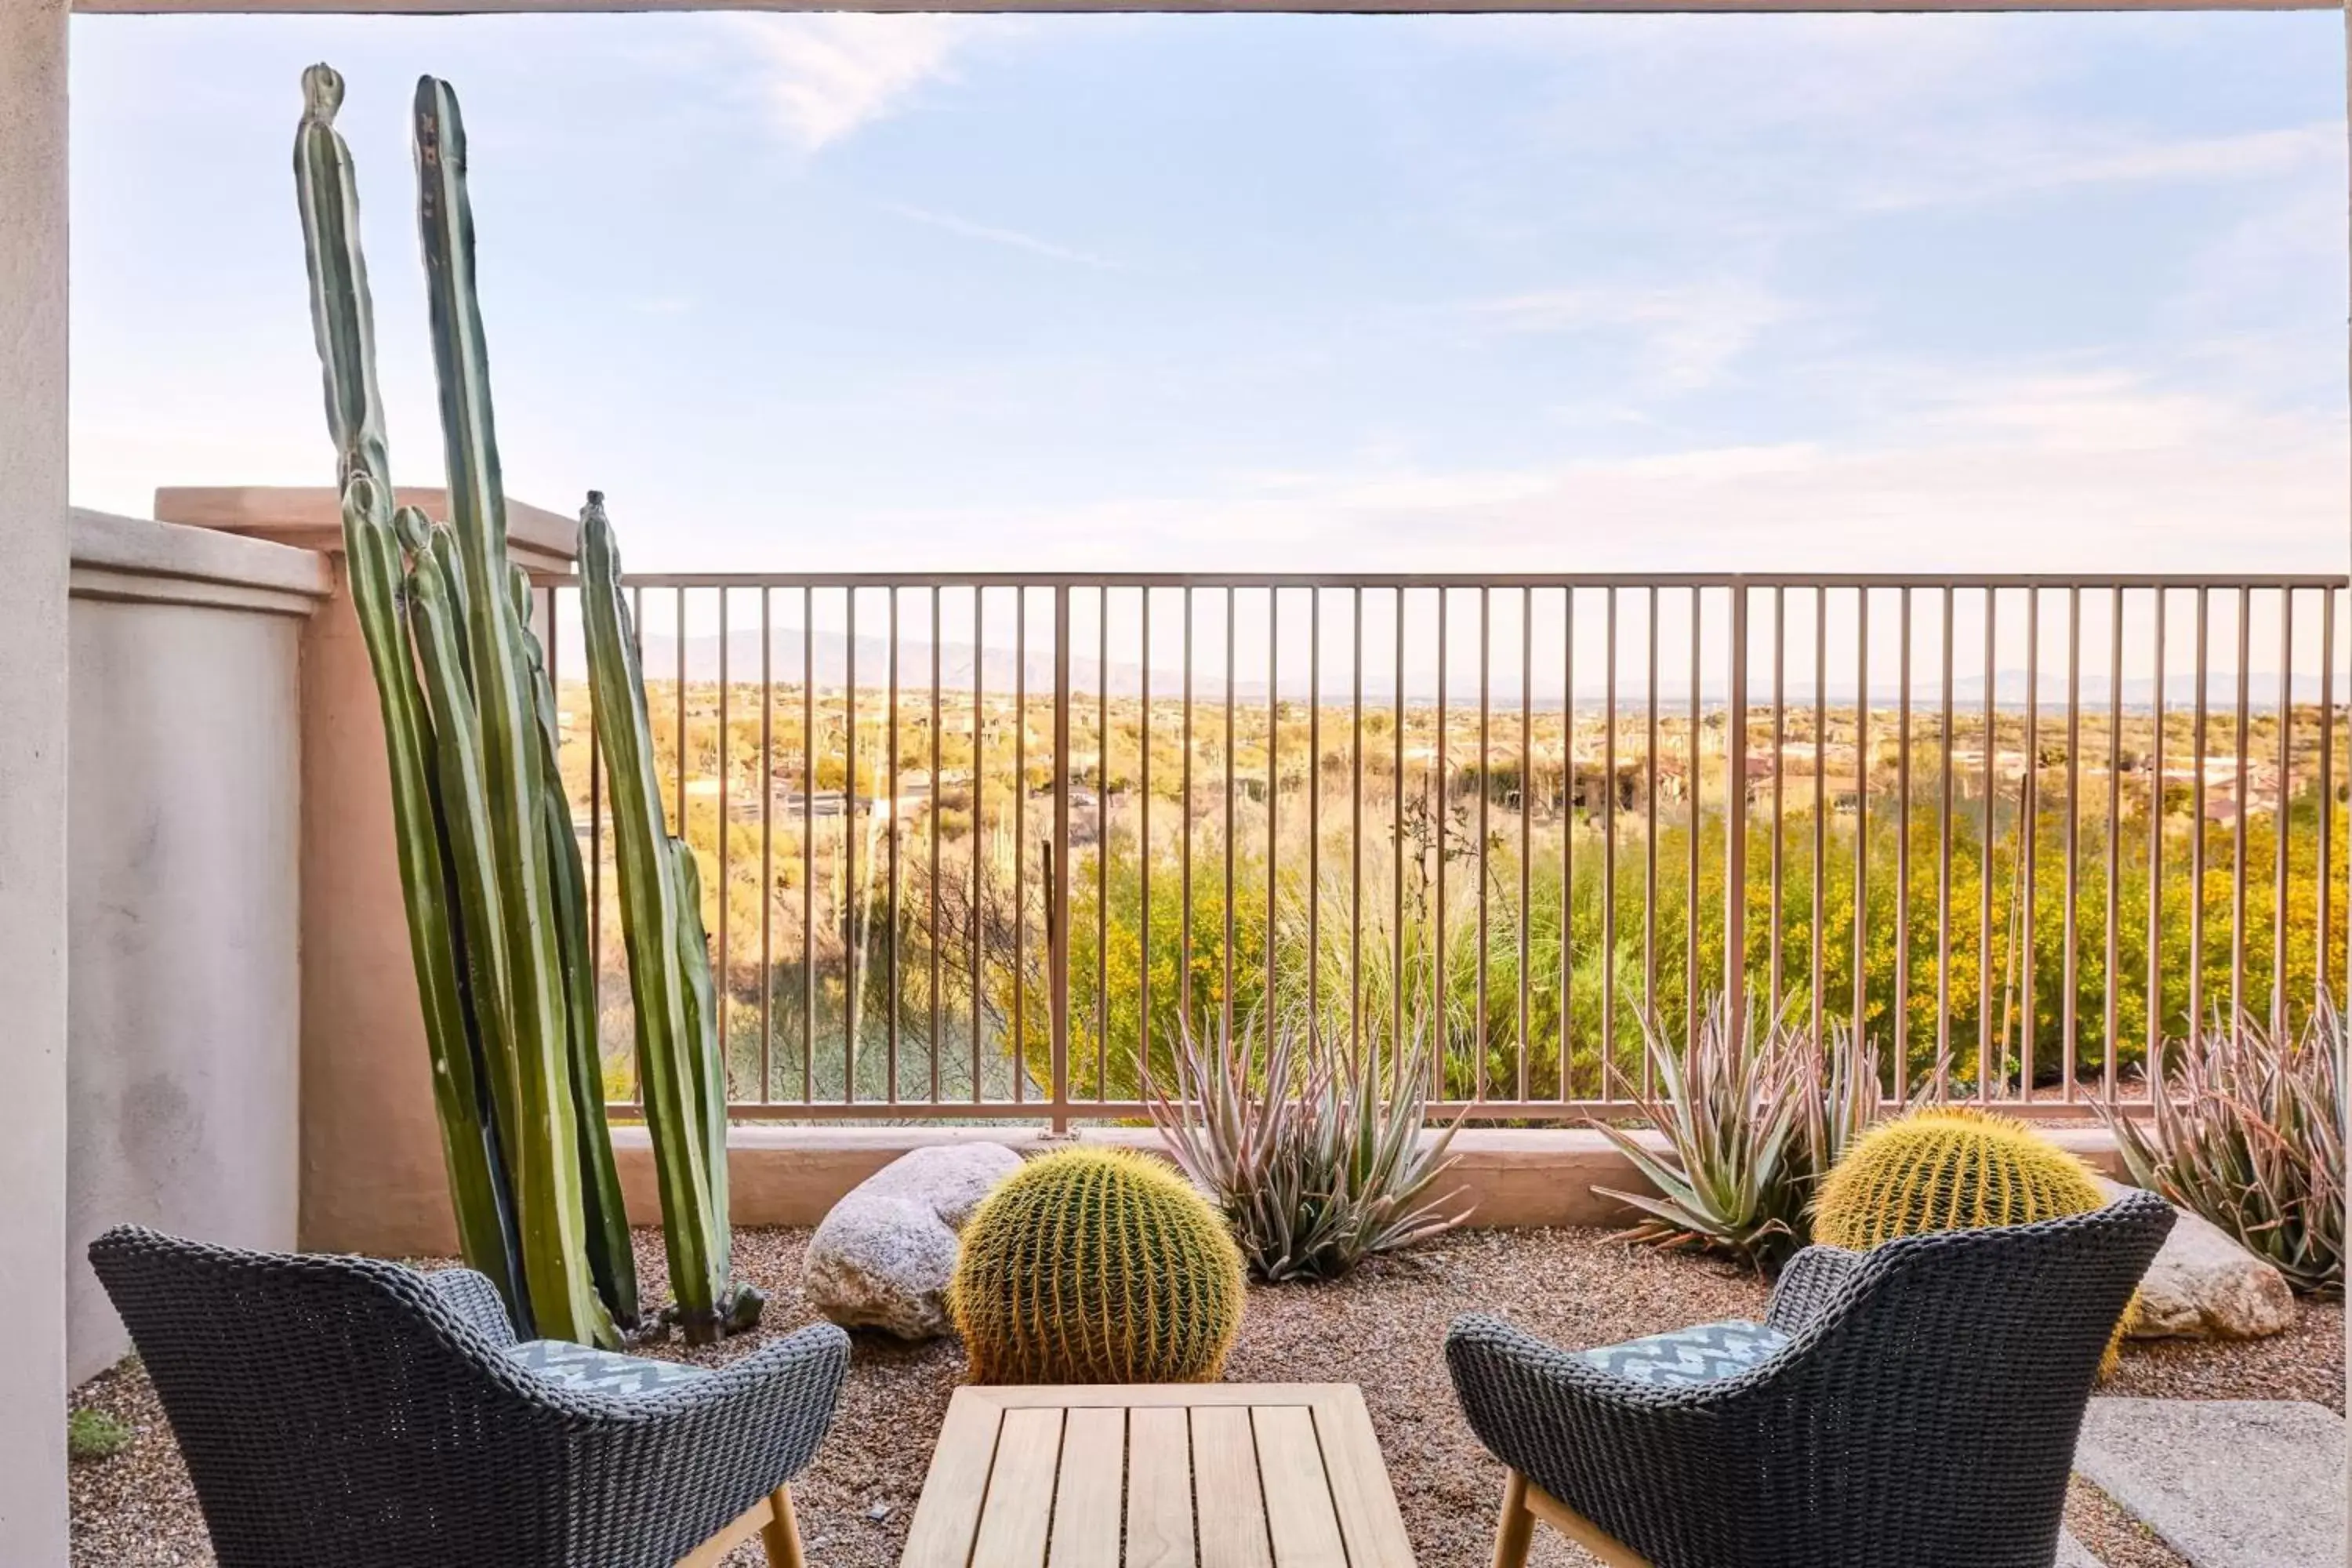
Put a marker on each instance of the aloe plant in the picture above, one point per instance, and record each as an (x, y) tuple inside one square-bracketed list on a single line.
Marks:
[(1316, 1163), (498, 956), (679, 1067), (1752, 1121), (2245, 1126)]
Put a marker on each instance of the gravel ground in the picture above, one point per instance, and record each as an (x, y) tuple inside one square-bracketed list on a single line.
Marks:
[(1380, 1328)]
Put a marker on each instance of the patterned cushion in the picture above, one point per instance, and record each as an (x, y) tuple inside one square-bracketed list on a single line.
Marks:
[(601, 1372), (1690, 1356)]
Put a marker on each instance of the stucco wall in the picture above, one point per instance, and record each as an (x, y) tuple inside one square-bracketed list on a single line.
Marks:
[(32, 774), (184, 913)]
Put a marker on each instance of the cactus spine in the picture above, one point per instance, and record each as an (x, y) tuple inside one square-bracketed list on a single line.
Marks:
[(500, 960), (1094, 1265), (679, 1069)]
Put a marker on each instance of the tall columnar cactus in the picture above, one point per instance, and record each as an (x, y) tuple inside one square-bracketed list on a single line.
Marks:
[(679, 1069), (1094, 1265), (501, 958)]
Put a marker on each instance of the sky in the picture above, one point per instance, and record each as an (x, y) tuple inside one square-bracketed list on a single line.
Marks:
[(2023, 292)]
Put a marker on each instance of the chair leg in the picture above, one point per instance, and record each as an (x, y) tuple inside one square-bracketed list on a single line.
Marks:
[(1515, 1531), (782, 1534)]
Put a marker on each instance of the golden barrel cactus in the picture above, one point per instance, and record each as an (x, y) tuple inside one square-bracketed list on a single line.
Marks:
[(1948, 1169), (1952, 1168), (1097, 1265)]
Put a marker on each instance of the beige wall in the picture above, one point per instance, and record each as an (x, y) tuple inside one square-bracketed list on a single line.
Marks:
[(33, 776), (184, 925)]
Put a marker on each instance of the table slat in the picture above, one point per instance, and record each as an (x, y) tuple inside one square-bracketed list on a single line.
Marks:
[(1360, 1490), (1298, 1510), (1020, 1492), (1086, 1496), (1224, 1472), (1158, 1488), (948, 1511)]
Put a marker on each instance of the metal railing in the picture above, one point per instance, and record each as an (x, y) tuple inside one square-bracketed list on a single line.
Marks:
[(981, 846)]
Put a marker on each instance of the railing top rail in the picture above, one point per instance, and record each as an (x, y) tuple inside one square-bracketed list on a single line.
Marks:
[(1048, 579)]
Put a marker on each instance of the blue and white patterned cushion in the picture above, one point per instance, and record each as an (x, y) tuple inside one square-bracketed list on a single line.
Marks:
[(601, 1372), (1689, 1357)]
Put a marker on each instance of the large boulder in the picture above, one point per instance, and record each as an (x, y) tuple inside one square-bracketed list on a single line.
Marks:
[(884, 1253), (2204, 1286)]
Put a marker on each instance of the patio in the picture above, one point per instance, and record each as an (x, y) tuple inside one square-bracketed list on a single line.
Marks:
[(1380, 1328)]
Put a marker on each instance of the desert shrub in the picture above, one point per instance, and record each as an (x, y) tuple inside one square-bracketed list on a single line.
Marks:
[(1752, 1123), (1315, 1153), (2247, 1129)]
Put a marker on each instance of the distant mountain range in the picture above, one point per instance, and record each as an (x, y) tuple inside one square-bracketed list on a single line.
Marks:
[(999, 668)]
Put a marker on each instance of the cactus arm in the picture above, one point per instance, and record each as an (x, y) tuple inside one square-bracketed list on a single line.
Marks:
[(610, 1254), (342, 314), (468, 1127), (544, 1152), (343, 324), (679, 1075)]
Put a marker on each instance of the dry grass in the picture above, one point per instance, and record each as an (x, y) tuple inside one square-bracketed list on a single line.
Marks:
[(1380, 1327)]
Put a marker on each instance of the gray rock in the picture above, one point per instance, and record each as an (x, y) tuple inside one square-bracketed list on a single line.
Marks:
[(2072, 1554), (2227, 1483), (2204, 1285), (883, 1254)]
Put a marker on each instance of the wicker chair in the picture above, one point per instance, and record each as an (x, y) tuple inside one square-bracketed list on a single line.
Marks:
[(347, 1410), (1913, 1407)]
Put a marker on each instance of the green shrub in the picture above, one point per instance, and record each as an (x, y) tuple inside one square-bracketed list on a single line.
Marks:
[(95, 1434)]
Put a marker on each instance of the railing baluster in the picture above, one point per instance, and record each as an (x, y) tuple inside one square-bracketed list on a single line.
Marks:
[(2282, 791), (2197, 838), (1989, 1063), (931, 900), (1609, 858), (2111, 984), (1527, 810), (1057, 886), (2155, 1042), (1903, 850), (1861, 813), (768, 847), (2244, 746), (889, 793), (1734, 820), (2068, 1032), (1943, 862)]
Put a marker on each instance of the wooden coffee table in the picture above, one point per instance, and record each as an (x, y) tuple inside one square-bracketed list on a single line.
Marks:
[(1214, 1474)]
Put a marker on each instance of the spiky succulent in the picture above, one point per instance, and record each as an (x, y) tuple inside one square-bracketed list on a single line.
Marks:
[(2247, 1129)]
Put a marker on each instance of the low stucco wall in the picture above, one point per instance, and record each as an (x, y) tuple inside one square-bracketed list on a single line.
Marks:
[(183, 940)]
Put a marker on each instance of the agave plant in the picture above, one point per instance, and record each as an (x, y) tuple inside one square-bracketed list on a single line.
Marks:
[(1752, 1121), (1316, 1161), (2246, 1128)]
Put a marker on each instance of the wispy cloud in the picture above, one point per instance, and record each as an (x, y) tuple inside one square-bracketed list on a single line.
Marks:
[(824, 76), (992, 234), (2043, 159), (1690, 333)]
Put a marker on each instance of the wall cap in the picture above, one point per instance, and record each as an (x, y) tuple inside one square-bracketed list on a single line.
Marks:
[(141, 560), (311, 517)]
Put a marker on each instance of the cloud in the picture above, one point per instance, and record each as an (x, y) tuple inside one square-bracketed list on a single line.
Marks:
[(825, 76), (992, 234), (2061, 470), (2043, 159), (1690, 334)]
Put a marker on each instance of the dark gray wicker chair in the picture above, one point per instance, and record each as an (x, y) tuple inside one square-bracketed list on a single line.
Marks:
[(1913, 1407), (340, 1410)]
